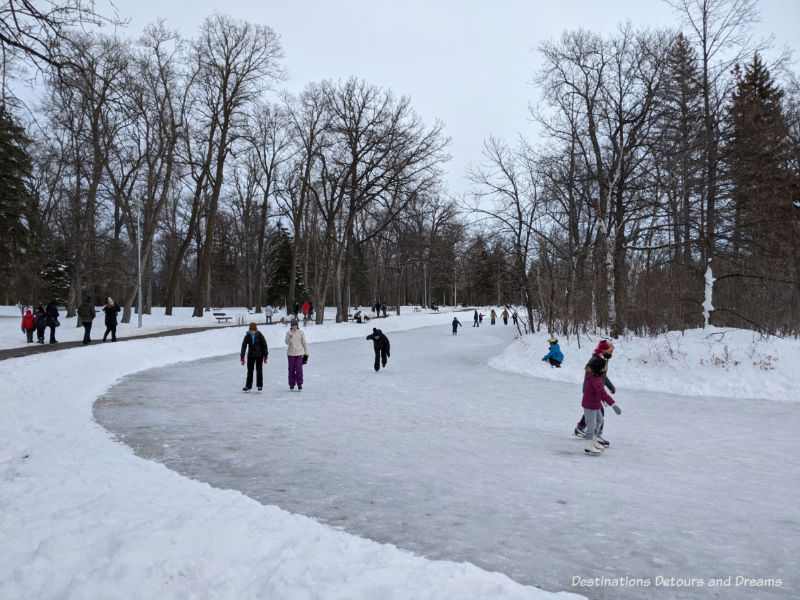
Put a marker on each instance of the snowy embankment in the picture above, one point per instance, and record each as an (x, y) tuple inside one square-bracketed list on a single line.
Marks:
[(83, 517), (700, 362)]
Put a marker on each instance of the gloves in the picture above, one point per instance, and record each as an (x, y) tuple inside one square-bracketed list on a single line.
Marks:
[(544, 359), (242, 361), (614, 391), (265, 360), (617, 409)]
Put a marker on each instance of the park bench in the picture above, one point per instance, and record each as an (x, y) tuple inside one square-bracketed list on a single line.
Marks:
[(221, 316)]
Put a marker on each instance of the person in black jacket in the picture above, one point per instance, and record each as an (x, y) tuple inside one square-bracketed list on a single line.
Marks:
[(112, 310), (51, 320), (381, 345), (255, 345)]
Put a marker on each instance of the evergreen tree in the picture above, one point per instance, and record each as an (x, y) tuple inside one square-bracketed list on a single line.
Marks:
[(761, 241), (15, 200)]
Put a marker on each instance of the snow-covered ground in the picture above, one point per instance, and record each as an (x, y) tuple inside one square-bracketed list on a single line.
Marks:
[(84, 517)]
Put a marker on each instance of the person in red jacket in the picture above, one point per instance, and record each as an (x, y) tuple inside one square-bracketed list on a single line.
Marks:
[(27, 325), (594, 395)]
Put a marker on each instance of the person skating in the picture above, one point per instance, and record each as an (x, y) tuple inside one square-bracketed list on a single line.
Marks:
[(51, 320), (456, 325), (555, 357), (480, 319), (594, 395), (514, 318), (40, 323), (380, 344), (255, 346), (505, 317), (605, 349), (475, 319), (493, 316), (296, 348), (28, 325), (111, 310)]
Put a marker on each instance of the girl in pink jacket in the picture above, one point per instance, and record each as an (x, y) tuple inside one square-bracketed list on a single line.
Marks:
[(594, 394)]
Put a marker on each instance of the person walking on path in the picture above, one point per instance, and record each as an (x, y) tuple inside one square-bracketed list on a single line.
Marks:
[(296, 349), (605, 350), (111, 310), (380, 343), (86, 314), (475, 319), (594, 395), (51, 320), (555, 357), (268, 314), (492, 316), (28, 325), (305, 311), (255, 346), (40, 322), (505, 317), (456, 325)]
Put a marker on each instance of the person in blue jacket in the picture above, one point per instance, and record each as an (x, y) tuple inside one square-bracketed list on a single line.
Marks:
[(555, 357), (456, 325)]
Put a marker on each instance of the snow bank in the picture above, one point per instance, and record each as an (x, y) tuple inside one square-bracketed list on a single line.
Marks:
[(702, 362)]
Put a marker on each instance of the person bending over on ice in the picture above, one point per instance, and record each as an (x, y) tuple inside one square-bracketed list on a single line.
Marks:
[(296, 348), (555, 357), (381, 345), (594, 394), (605, 350), (255, 345), (456, 325)]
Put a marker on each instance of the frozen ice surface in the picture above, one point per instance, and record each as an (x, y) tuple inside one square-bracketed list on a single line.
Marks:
[(444, 456)]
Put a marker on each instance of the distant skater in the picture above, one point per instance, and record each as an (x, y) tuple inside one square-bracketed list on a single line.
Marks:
[(255, 346), (380, 344), (456, 325), (505, 317), (475, 319), (296, 348), (492, 316)]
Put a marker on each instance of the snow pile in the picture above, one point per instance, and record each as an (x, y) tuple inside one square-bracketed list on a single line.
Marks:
[(701, 362), (82, 517)]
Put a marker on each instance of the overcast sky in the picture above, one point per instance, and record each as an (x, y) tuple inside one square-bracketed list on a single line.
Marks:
[(468, 63)]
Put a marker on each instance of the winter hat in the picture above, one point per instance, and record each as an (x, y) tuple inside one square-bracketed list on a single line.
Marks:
[(294, 322), (552, 340), (596, 365), (374, 330), (603, 347)]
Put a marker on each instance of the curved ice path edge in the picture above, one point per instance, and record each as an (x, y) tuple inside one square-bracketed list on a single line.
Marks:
[(82, 516)]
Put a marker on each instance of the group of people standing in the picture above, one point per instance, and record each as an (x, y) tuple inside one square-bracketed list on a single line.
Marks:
[(256, 351), (42, 318)]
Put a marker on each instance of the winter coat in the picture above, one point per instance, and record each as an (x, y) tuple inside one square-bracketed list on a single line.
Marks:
[(51, 315), (86, 312), (255, 345), (295, 343), (505, 314), (111, 311), (555, 352), (493, 314), (379, 340), (28, 320), (594, 394), (40, 321), (456, 324), (305, 308), (606, 380)]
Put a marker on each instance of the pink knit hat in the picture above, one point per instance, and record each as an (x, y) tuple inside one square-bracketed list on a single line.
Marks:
[(603, 347)]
